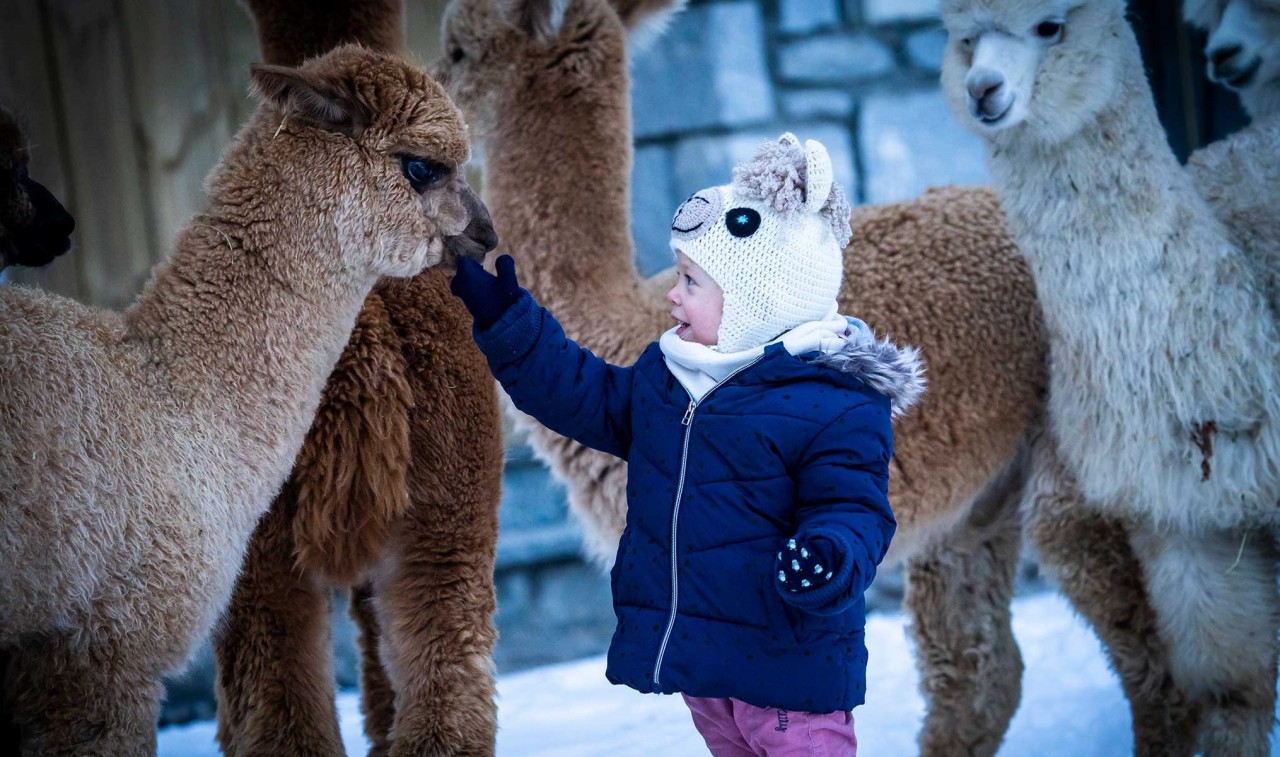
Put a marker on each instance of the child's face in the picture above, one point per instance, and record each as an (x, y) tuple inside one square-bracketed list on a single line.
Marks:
[(697, 303)]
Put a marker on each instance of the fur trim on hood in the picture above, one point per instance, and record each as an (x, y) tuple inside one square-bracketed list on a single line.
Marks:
[(896, 372)]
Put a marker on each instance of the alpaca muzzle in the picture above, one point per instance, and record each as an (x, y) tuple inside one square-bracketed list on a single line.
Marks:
[(49, 233), (479, 236)]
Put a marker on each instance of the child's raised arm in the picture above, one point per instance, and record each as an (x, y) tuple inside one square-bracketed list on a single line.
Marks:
[(563, 386)]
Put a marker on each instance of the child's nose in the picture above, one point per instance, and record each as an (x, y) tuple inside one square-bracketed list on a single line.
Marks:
[(672, 295)]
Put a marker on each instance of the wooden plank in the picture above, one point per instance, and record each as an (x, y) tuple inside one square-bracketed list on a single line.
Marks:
[(103, 161), (423, 20), (27, 87), (177, 105)]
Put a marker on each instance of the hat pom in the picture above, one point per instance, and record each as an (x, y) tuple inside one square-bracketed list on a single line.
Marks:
[(778, 175)]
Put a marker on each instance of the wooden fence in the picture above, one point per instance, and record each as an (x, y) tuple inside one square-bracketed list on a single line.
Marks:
[(128, 105)]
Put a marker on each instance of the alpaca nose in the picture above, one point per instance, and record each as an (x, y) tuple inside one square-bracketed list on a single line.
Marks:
[(987, 100), (1221, 56), (479, 235)]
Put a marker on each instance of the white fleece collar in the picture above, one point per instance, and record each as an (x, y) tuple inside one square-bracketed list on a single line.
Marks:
[(699, 368)]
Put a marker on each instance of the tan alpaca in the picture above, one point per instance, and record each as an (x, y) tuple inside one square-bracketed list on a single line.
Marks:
[(34, 227), (939, 272), (394, 494), (139, 449), (1164, 406)]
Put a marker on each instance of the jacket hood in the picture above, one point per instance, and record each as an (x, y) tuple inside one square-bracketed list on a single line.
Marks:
[(894, 371)]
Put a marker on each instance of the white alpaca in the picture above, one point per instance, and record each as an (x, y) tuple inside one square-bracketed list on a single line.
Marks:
[(139, 449), (1240, 176), (1164, 390), (1243, 49)]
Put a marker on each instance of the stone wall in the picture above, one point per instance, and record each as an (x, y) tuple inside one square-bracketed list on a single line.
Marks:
[(861, 76)]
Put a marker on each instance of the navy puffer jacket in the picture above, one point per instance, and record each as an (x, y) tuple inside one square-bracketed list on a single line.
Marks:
[(786, 446)]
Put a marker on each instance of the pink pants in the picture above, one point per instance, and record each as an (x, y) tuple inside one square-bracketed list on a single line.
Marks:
[(733, 728)]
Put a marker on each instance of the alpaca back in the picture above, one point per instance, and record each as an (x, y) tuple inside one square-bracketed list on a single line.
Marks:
[(1239, 177), (79, 466)]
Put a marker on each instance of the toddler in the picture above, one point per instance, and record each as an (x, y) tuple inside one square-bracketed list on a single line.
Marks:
[(757, 434)]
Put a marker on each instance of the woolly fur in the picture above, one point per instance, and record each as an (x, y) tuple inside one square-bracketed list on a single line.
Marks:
[(394, 495), (1164, 390), (139, 449)]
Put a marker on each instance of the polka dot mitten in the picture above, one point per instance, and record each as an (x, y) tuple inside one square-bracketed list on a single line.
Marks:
[(809, 571)]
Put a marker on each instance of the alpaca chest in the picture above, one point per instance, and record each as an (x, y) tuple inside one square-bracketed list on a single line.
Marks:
[(1161, 419)]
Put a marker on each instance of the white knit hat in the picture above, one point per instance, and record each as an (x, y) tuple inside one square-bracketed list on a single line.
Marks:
[(773, 240)]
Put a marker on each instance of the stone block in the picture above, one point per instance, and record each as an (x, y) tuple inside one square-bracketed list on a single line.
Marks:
[(924, 49), (891, 11), (807, 104), (834, 58), (653, 203), (804, 16), (910, 142), (709, 70)]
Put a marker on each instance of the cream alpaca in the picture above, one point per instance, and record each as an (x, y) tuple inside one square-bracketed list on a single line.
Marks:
[(1163, 401), (1240, 176), (139, 449), (959, 464), (1243, 49)]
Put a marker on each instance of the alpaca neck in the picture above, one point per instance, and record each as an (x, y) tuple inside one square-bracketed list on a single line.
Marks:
[(558, 178), (1105, 207), (244, 333)]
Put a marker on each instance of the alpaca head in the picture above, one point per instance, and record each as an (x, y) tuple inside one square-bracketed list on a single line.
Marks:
[(371, 150), (509, 48), (34, 227), (1041, 67), (1243, 49)]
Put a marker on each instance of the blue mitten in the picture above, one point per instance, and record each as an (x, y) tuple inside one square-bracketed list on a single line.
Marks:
[(486, 296), (805, 565), (812, 573)]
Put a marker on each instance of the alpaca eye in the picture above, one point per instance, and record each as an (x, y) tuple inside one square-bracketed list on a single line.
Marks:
[(422, 174), (742, 222), (1049, 31), (456, 55)]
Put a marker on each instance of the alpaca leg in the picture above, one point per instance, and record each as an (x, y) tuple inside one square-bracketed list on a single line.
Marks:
[(434, 589), (958, 594), (436, 602), (1090, 557), (275, 669), (378, 698), (83, 703), (1218, 610)]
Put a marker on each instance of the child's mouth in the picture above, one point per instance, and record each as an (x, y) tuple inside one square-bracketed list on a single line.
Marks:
[(682, 329)]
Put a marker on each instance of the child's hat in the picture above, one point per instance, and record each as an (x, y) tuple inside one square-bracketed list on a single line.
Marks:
[(773, 240)]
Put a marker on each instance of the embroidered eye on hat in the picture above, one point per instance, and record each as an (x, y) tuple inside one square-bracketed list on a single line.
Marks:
[(773, 239)]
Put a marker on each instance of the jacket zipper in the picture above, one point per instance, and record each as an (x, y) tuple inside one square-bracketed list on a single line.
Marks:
[(687, 422)]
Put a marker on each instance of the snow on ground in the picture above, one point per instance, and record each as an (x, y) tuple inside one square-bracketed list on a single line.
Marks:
[(1071, 703)]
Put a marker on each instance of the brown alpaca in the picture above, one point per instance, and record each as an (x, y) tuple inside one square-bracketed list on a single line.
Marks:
[(34, 227), (140, 448), (940, 273), (394, 494)]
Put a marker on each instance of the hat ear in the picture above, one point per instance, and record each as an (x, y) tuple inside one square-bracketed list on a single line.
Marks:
[(788, 138), (818, 176)]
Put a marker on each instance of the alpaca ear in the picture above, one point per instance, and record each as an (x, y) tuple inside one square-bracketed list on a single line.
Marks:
[(315, 99), (541, 20), (818, 176)]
